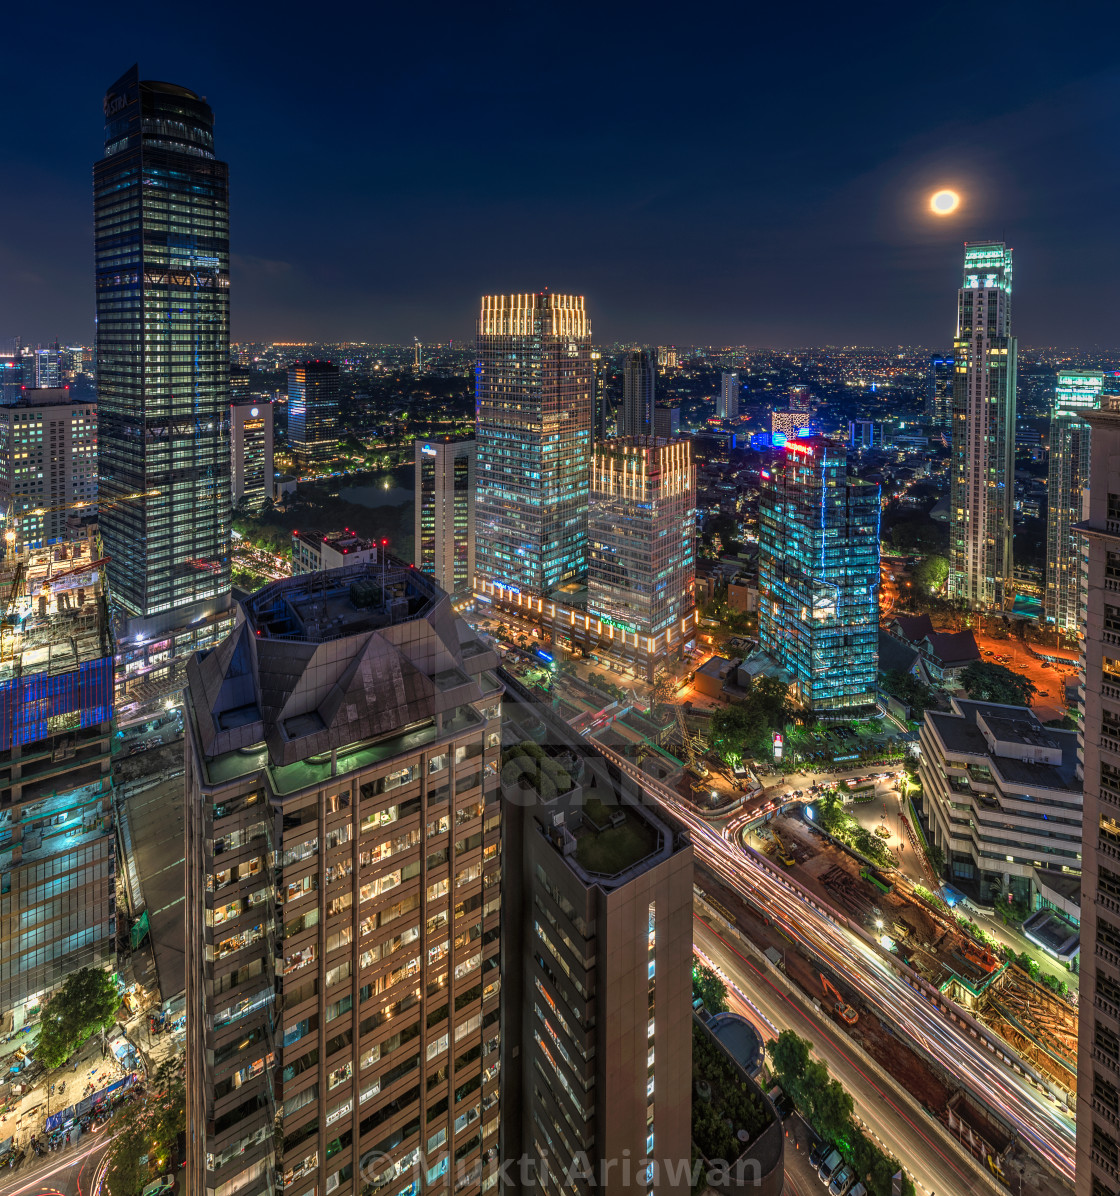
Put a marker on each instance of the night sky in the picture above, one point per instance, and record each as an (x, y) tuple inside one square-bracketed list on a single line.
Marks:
[(719, 174)]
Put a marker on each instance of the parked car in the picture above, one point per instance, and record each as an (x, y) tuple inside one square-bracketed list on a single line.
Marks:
[(858, 1190), (164, 1184), (829, 1165), (842, 1181), (818, 1151)]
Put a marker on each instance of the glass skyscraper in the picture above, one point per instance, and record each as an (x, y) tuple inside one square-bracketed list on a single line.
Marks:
[(981, 523), (533, 387), (819, 576), (636, 416), (1077, 391), (313, 400), (161, 243), (939, 391)]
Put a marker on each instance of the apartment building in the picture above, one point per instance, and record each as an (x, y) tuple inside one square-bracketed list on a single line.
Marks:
[(343, 893)]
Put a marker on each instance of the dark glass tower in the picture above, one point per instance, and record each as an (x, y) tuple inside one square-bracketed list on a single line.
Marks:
[(161, 243)]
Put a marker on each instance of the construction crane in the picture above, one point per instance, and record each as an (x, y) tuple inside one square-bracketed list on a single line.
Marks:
[(12, 518), (846, 1012), (695, 766)]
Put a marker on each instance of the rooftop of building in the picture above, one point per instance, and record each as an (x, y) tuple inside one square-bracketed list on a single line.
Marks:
[(343, 542), (1043, 757), (894, 655), (914, 628), (952, 647), (333, 671), (49, 396)]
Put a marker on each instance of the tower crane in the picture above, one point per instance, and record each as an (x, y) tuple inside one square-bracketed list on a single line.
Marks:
[(695, 766)]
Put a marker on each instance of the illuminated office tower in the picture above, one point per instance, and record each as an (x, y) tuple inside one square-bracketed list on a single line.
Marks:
[(939, 392), (47, 367), (313, 400), (641, 544), (981, 508), (343, 892), (728, 406), (12, 367), (161, 243), (250, 450), (1098, 1046), (1077, 391), (800, 400), (666, 357), (533, 400), (239, 384), (602, 424), (443, 539), (818, 576), (635, 418), (48, 462)]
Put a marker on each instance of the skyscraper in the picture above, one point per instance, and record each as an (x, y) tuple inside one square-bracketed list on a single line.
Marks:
[(48, 460), (443, 543), (939, 391), (818, 570), (727, 406), (533, 399), (1098, 1045), (314, 391), (343, 892), (981, 508), (48, 367), (641, 544), (250, 450), (1077, 391), (801, 399), (638, 378), (161, 242), (602, 423)]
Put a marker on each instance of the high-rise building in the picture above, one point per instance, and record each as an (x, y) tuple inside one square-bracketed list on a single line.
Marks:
[(728, 405), (250, 450), (1077, 391), (641, 543), (666, 419), (57, 843), (11, 378), (314, 394), (46, 365), (602, 415), (981, 503), (666, 357), (790, 423), (533, 400), (596, 962), (240, 384), (343, 892), (638, 383), (864, 434), (48, 462), (444, 523), (1098, 1048), (818, 566), (939, 391), (161, 242), (801, 399)]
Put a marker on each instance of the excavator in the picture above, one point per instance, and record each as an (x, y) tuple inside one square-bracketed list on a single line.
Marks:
[(846, 1012), (781, 851)]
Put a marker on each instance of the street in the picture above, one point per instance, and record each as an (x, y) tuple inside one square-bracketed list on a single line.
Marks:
[(66, 1172), (901, 1124)]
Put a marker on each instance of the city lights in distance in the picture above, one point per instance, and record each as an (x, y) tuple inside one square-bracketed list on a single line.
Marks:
[(944, 203)]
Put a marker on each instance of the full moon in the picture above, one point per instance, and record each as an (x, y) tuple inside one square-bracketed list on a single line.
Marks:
[(944, 203)]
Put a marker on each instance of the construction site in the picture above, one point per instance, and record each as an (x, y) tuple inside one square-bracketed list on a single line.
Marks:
[(56, 818), (1031, 1018)]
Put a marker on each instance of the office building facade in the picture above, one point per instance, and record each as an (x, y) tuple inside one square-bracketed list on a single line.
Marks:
[(1002, 794), (728, 404), (48, 463), (666, 420), (596, 968), (602, 405), (444, 516), (314, 394), (313, 552), (46, 366), (819, 576), (1098, 1053), (533, 401), (250, 451), (343, 893), (940, 380), (635, 416), (982, 471), (801, 399), (1076, 392), (57, 842), (641, 543), (161, 242)]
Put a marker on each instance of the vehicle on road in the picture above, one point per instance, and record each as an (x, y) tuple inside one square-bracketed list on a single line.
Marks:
[(829, 1165)]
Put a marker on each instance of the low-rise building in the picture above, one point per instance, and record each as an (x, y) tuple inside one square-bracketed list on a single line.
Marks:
[(1002, 794), (313, 551)]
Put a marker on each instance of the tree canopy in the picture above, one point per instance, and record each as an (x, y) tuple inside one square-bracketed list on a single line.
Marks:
[(86, 1003), (151, 1132), (707, 985), (908, 689), (987, 682), (931, 573), (743, 730)]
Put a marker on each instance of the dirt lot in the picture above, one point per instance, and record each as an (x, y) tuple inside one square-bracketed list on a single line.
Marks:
[(1049, 703)]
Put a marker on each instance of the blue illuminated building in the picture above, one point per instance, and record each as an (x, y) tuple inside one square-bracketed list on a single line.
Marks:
[(819, 576)]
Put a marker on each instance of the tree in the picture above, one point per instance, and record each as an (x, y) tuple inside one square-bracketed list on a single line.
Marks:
[(152, 1131), (930, 574), (789, 1057), (85, 1004), (707, 985), (986, 682), (909, 690)]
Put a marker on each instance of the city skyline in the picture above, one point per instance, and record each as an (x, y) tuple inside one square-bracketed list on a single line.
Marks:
[(414, 226)]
